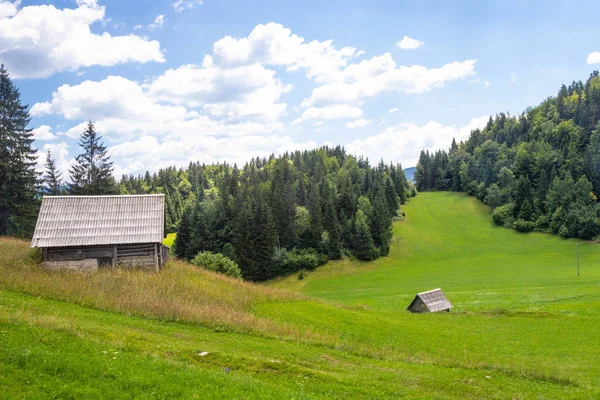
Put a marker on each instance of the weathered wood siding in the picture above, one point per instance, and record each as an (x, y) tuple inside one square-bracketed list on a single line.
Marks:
[(136, 255), (139, 255)]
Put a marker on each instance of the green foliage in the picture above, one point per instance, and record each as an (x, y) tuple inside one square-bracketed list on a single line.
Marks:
[(503, 215), (92, 172), (299, 259), (523, 226), (18, 179), (218, 263), (311, 197), (362, 245), (53, 183), (544, 162)]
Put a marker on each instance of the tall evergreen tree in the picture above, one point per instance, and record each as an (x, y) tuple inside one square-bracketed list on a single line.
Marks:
[(314, 233), (53, 183), (18, 179), (92, 172), (381, 223), (283, 203), (255, 240), (363, 246)]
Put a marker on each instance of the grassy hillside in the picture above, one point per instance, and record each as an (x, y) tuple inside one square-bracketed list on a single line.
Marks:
[(523, 327)]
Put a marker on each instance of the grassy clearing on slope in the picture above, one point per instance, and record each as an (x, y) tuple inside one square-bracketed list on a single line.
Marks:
[(523, 327), (53, 349), (519, 305), (181, 292)]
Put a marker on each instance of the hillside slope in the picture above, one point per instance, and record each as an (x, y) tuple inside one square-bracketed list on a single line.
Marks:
[(521, 326)]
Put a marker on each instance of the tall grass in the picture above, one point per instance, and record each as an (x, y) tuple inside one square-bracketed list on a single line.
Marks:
[(181, 292)]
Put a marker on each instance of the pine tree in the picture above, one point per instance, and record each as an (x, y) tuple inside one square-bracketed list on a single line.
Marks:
[(363, 246), (391, 197), (331, 223), (381, 224), (18, 179), (255, 239), (283, 203), (92, 172), (313, 235), (53, 183)]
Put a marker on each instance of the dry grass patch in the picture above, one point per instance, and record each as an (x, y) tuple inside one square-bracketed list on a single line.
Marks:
[(181, 292)]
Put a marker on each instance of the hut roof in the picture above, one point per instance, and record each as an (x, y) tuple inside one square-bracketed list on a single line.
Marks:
[(99, 220), (434, 300)]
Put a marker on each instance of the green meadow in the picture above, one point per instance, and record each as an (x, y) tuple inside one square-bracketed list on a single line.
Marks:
[(524, 325)]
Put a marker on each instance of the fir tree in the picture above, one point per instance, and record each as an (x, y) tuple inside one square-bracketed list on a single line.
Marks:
[(255, 240), (18, 179), (92, 172), (381, 224), (283, 203), (314, 233), (363, 246), (53, 183)]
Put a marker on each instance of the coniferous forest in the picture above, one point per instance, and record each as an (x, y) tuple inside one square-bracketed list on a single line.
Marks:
[(538, 171), (279, 215)]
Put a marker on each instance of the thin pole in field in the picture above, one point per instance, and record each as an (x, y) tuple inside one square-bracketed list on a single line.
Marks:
[(577, 258)]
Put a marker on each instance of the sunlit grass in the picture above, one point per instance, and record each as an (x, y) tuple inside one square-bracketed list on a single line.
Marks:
[(523, 325)]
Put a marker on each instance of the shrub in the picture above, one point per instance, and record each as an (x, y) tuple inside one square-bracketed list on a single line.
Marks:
[(297, 260), (523, 226), (503, 214), (542, 223), (218, 263)]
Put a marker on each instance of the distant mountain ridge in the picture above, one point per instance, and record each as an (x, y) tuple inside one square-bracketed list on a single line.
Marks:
[(410, 173)]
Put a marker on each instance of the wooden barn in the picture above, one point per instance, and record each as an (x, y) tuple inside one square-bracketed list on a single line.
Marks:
[(91, 232), (431, 301)]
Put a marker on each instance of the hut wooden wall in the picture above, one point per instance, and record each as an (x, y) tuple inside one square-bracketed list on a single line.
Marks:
[(142, 255)]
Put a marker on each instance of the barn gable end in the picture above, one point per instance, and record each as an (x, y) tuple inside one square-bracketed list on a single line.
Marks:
[(430, 301)]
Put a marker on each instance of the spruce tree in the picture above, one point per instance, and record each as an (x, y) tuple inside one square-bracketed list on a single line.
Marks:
[(313, 235), (381, 223), (53, 183), (255, 239), (283, 203), (18, 179), (331, 223), (363, 246), (92, 172)]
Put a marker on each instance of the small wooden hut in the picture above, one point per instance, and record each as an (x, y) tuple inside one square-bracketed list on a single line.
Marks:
[(91, 232), (431, 301)]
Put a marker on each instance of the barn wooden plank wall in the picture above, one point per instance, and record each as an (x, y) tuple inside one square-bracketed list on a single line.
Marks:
[(138, 255)]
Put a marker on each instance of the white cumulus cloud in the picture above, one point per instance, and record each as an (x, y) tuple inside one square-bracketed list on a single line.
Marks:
[(248, 91), (338, 111), (408, 43), (181, 5), (359, 123), (272, 44), (380, 75), (403, 142), (37, 41), (593, 58), (43, 132)]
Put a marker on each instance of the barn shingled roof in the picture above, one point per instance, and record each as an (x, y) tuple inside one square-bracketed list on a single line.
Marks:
[(98, 220), (434, 300)]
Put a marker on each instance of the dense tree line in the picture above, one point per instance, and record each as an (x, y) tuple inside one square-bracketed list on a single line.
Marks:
[(274, 211), (539, 170)]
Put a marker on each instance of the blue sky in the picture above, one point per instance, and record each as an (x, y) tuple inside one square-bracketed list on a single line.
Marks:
[(173, 81)]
